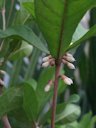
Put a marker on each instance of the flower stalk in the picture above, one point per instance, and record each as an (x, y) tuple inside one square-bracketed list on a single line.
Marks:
[(57, 72), (6, 122), (67, 59)]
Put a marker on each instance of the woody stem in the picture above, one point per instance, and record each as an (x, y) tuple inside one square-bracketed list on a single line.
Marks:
[(57, 71), (6, 122)]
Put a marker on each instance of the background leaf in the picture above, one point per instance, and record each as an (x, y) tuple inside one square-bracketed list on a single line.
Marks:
[(25, 33), (10, 99), (86, 36), (30, 102), (24, 50), (70, 113)]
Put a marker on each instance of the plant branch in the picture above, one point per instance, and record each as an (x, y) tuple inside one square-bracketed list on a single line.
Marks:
[(3, 17), (4, 118), (10, 12), (6, 122), (3, 21), (57, 71)]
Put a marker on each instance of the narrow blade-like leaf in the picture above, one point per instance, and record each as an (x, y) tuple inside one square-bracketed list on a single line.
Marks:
[(25, 33)]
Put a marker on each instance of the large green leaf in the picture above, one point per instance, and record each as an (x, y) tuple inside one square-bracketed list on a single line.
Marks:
[(25, 33), (79, 32), (11, 99), (86, 35), (87, 121), (30, 102), (73, 98), (58, 20), (60, 109), (29, 6), (69, 114)]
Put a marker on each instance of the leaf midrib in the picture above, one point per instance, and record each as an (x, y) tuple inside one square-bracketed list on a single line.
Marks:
[(62, 28)]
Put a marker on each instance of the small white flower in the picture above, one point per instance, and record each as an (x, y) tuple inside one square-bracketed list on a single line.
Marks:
[(67, 80), (1, 82), (45, 64), (46, 58), (70, 65), (47, 88), (70, 59), (69, 55), (37, 127)]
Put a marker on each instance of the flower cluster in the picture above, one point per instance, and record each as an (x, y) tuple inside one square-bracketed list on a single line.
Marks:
[(48, 61), (67, 59)]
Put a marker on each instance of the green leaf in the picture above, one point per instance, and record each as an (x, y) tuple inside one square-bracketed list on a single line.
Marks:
[(80, 31), (33, 83), (46, 75), (18, 113), (84, 123), (87, 121), (69, 114), (58, 20), (1, 3), (30, 102), (22, 1), (47, 116), (69, 125), (93, 122), (85, 36), (25, 33), (24, 50), (65, 113), (10, 99), (73, 98), (29, 6)]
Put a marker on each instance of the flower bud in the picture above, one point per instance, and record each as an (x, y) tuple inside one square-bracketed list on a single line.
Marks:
[(45, 64), (69, 58), (46, 58), (1, 82), (47, 88), (67, 80), (37, 127), (69, 55), (70, 65)]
